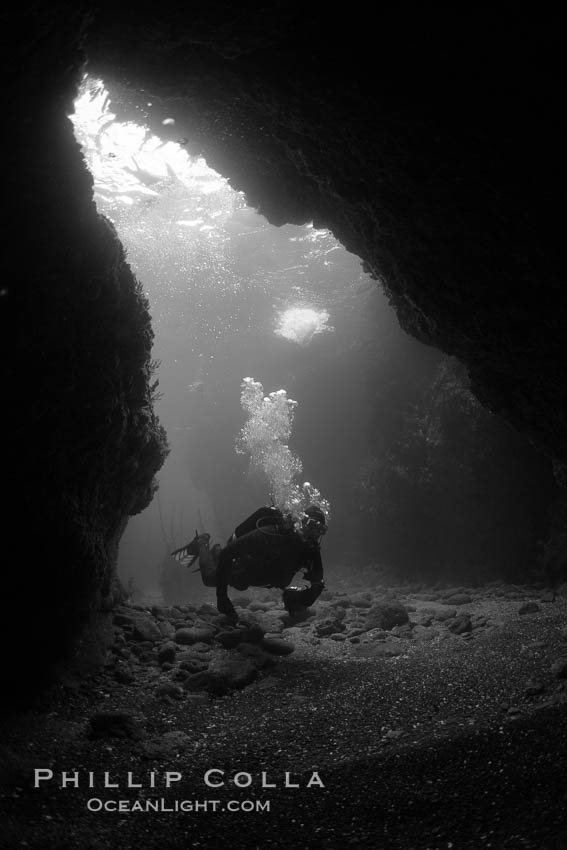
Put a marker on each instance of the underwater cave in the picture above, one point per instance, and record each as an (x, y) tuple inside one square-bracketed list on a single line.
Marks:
[(365, 214)]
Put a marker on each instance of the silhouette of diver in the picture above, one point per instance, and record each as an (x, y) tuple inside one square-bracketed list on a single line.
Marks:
[(266, 550)]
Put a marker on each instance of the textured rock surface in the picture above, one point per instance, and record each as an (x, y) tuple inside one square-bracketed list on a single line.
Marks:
[(448, 190)]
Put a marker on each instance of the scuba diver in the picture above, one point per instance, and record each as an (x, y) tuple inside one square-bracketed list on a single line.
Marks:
[(266, 550)]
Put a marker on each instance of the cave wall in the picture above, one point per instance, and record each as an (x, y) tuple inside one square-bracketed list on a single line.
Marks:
[(84, 443), (426, 140)]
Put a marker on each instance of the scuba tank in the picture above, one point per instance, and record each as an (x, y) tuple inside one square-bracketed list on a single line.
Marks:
[(264, 516)]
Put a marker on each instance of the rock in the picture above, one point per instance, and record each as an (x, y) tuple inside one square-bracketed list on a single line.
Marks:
[(528, 608), (402, 631), (423, 633), (146, 630), (236, 671), (563, 633), (424, 619), (193, 655), (169, 689), (193, 665), (386, 614), (252, 634), (207, 610), (229, 639), (445, 614), (124, 675), (161, 612), (167, 653), (261, 606), (203, 648), (328, 627), (227, 672), (338, 637), (257, 655), (111, 724), (268, 621), (241, 601), (362, 600), (193, 635), (180, 675), (277, 646), (460, 625), (120, 619), (533, 688), (343, 602), (562, 589), (167, 629), (458, 599), (559, 668)]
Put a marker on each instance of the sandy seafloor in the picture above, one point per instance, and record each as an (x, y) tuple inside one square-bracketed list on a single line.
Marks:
[(422, 738)]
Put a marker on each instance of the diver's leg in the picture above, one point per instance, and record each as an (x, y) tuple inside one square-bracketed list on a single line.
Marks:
[(224, 605)]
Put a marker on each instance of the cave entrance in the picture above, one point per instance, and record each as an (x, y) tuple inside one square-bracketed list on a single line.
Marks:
[(230, 296)]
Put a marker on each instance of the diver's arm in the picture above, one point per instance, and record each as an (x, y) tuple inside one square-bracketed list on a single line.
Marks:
[(314, 572)]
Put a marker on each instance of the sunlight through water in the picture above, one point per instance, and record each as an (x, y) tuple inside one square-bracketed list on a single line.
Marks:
[(229, 295)]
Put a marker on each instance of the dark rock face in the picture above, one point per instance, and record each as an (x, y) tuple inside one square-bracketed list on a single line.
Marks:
[(84, 441), (427, 143)]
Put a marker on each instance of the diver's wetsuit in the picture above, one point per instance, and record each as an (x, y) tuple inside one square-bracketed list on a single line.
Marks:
[(262, 552)]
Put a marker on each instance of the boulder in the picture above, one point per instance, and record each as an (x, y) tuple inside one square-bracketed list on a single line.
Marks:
[(386, 614), (167, 652), (445, 614), (229, 638), (528, 608), (227, 672), (252, 634), (458, 599), (207, 682), (193, 665), (461, 625), (328, 627), (256, 655), (276, 646), (166, 628), (169, 689), (423, 633), (146, 629), (195, 634), (362, 600), (124, 675)]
